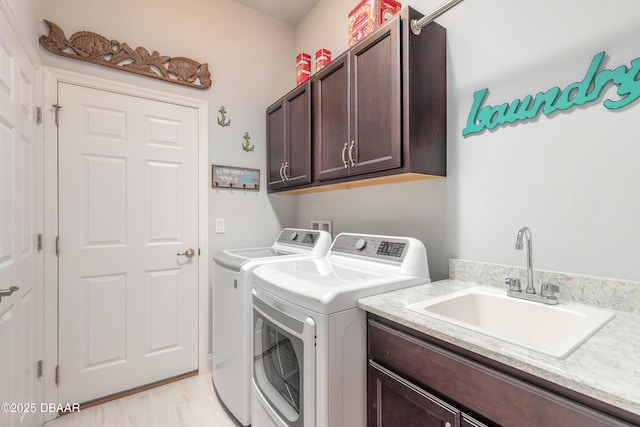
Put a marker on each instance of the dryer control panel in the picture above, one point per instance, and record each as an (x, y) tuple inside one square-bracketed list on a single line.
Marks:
[(371, 246), (406, 255)]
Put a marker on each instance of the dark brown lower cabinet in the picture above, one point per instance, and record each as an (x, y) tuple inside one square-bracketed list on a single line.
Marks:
[(397, 402), (467, 421), (412, 381)]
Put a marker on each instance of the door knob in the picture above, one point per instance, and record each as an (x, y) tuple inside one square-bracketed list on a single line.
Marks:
[(8, 292), (189, 253)]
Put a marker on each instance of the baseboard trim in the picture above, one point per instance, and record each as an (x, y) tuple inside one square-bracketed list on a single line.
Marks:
[(129, 392)]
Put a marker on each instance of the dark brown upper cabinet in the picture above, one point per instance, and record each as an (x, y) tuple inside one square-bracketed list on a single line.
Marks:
[(380, 108), (379, 114), (331, 120), (289, 140), (357, 104)]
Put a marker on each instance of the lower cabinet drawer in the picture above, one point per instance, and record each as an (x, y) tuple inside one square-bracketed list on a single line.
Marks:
[(395, 401), (494, 395)]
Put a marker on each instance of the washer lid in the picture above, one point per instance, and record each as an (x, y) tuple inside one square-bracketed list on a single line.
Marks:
[(290, 241), (254, 253), (328, 287), (234, 259)]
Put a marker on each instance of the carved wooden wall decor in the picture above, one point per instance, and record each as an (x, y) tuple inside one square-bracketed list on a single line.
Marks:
[(94, 48)]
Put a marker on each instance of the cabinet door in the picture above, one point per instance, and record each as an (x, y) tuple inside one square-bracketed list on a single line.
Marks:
[(275, 146), (297, 106), (376, 102), (467, 421), (394, 401), (494, 395), (331, 116)]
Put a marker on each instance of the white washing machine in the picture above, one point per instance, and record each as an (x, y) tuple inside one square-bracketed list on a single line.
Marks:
[(310, 357), (232, 330)]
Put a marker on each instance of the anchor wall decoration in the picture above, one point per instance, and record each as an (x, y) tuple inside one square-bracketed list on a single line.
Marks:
[(245, 145), (222, 120)]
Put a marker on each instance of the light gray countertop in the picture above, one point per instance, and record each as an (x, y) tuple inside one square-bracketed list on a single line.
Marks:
[(606, 367)]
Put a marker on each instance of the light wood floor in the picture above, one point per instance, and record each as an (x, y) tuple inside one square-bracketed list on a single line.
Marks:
[(191, 403)]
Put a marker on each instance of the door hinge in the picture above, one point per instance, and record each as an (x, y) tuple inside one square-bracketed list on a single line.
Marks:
[(198, 251), (39, 115), (57, 108), (57, 245), (40, 368), (57, 375), (39, 242)]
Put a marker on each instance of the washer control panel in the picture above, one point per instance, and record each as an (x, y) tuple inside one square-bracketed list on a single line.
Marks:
[(291, 236), (381, 247)]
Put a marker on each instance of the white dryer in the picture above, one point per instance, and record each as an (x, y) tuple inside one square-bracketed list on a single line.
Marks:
[(231, 319), (310, 337)]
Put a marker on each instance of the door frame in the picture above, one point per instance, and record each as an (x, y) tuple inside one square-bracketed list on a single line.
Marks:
[(53, 76), (26, 47)]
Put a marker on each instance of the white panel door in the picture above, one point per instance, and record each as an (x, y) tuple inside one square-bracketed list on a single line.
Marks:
[(128, 204), (21, 219)]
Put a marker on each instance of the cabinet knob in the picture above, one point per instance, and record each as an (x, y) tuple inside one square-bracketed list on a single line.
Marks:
[(447, 424), (353, 144), (344, 150)]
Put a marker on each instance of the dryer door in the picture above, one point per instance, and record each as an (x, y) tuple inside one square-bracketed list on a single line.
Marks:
[(284, 360)]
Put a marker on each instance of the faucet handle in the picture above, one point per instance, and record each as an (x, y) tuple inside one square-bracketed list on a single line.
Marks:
[(514, 284), (549, 290)]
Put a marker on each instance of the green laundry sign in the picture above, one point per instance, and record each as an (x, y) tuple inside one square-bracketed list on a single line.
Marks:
[(583, 92)]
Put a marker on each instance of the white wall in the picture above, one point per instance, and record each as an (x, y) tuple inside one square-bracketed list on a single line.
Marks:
[(250, 60), (23, 13), (571, 177)]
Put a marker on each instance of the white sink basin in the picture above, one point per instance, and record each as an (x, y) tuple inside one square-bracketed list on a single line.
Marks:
[(555, 330)]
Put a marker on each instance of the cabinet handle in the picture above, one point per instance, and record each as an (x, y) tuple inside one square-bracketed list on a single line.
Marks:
[(344, 150), (284, 170), (353, 144)]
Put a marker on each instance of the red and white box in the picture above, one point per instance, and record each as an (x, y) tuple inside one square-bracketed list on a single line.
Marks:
[(369, 15), (303, 67), (323, 57)]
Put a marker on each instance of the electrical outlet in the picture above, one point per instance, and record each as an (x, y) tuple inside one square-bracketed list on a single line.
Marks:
[(219, 225), (322, 224)]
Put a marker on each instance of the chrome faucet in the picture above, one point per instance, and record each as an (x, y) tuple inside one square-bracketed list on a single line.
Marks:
[(524, 232), (547, 290)]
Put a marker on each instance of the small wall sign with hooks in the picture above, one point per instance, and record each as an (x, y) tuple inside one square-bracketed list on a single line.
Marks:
[(231, 177)]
